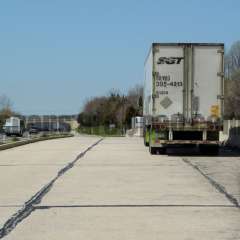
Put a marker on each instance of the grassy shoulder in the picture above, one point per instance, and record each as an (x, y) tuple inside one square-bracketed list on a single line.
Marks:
[(101, 131)]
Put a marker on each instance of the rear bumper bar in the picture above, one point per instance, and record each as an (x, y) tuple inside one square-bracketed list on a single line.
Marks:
[(162, 143)]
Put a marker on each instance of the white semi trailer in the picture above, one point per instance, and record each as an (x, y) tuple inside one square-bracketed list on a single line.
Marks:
[(183, 95)]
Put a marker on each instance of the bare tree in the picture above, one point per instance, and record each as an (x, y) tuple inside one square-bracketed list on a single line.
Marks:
[(135, 95), (236, 75), (5, 109), (114, 108), (232, 99), (232, 85), (232, 60), (5, 102)]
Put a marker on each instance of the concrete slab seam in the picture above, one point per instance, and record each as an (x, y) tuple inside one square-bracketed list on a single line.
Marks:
[(215, 184), (45, 207), (29, 206)]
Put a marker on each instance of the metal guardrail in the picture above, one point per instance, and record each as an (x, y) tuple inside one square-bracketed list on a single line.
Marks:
[(11, 142)]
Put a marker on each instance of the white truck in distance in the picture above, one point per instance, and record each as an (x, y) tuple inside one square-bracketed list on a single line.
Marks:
[(14, 126), (183, 95)]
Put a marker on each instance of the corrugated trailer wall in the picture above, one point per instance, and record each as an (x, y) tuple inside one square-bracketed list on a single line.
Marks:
[(208, 80), (183, 94), (185, 79), (168, 77), (148, 87)]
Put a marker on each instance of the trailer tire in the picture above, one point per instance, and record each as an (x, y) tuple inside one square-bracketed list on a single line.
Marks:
[(161, 150), (152, 150)]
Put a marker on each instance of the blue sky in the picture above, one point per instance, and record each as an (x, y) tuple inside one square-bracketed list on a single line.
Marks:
[(54, 54)]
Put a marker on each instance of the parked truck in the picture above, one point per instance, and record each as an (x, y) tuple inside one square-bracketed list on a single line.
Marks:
[(14, 126), (183, 95)]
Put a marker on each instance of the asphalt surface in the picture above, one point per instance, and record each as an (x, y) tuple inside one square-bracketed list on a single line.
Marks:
[(116, 190)]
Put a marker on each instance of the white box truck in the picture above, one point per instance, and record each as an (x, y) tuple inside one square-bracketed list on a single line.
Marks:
[(183, 95), (14, 126)]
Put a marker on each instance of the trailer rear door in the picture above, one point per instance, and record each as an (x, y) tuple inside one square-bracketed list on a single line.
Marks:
[(168, 71)]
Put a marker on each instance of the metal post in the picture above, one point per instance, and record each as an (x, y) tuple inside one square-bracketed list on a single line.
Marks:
[(123, 102), (91, 123)]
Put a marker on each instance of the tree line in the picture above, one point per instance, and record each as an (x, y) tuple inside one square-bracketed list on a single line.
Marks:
[(5, 109), (232, 83), (114, 109), (118, 109)]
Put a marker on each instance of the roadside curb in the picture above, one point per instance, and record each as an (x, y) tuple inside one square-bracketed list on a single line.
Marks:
[(25, 142)]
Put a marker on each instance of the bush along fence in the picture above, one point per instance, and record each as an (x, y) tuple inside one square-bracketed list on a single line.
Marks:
[(102, 131)]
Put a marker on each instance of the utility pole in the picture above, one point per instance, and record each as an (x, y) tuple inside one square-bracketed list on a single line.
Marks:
[(123, 104)]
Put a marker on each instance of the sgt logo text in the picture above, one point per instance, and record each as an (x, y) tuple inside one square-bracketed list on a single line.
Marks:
[(170, 60)]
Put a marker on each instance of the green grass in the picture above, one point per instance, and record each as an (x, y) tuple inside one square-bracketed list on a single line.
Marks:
[(15, 139)]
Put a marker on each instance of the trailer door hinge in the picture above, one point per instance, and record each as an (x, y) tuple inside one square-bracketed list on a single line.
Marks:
[(155, 74), (155, 49), (220, 51), (221, 97), (220, 74)]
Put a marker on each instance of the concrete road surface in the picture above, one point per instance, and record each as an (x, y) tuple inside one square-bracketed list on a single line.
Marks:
[(117, 190), (25, 170)]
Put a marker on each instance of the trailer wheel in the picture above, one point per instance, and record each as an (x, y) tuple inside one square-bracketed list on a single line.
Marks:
[(152, 150), (161, 150)]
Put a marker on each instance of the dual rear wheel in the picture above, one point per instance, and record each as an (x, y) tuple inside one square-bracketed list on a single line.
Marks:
[(157, 150)]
